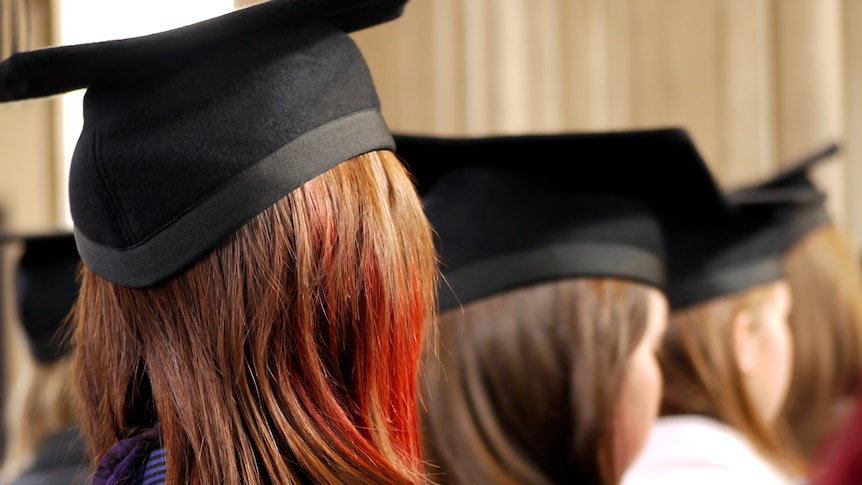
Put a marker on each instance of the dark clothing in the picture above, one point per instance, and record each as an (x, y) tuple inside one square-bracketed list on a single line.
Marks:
[(62, 460), (138, 460)]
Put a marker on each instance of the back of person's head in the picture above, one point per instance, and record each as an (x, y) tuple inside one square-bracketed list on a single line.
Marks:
[(551, 304), (727, 351), (826, 318), (40, 400), (291, 349), (258, 271), (529, 382), (705, 374)]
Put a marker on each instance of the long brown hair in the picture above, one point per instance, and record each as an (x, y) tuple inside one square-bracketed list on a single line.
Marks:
[(702, 376), (826, 328), (287, 355), (526, 382)]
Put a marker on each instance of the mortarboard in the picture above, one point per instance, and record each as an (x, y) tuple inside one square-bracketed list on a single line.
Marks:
[(730, 256), (795, 175), (745, 249), (45, 289), (190, 133), (511, 211), (809, 213)]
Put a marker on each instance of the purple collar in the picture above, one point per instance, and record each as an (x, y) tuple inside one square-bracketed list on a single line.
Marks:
[(122, 463)]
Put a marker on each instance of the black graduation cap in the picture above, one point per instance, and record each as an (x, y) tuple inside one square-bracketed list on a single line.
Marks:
[(731, 256), (795, 175), (745, 249), (801, 206), (517, 210), (190, 133), (45, 289)]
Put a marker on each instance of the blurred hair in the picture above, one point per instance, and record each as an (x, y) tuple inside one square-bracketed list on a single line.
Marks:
[(526, 384), (702, 375), (826, 328)]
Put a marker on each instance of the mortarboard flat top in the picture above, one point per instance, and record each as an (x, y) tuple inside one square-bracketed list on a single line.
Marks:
[(629, 162), (796, 173), (518, 210), (34, 74), (45, 289), (745, 250), (190, 133), (801, 206)]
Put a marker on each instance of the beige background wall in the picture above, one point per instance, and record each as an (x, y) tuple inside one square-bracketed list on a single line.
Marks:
[(852, 114), (756, 82)]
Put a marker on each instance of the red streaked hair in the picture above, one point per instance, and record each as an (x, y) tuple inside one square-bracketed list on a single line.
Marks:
[(287, 355)]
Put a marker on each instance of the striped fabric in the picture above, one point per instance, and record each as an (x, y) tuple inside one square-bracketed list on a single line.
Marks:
[(153, 472), (134, 460)]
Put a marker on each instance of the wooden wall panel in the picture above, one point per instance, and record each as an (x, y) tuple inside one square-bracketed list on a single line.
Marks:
[(756, 82), (809, 88), (27, 128), (746, 137), (852, 50)]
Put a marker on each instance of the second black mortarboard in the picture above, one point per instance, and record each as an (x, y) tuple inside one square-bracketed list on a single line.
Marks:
[(804, 208), (45, 289), (745, 250), (730, 256), (188, 134), (511, 211)]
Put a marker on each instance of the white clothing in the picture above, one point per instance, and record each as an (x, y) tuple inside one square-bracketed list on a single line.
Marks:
[(696, 450)]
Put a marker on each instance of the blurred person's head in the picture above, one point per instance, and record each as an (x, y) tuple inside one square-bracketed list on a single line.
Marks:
[(544, 382), (552, 307), (730, 359), (826, 319), (728, 352)]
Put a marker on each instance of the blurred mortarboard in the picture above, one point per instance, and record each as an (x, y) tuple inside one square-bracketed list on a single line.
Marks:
[(795, 175), (800, 203), (728, 257), (745, 250), (45, 288), (511, 211), (190, 133)]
